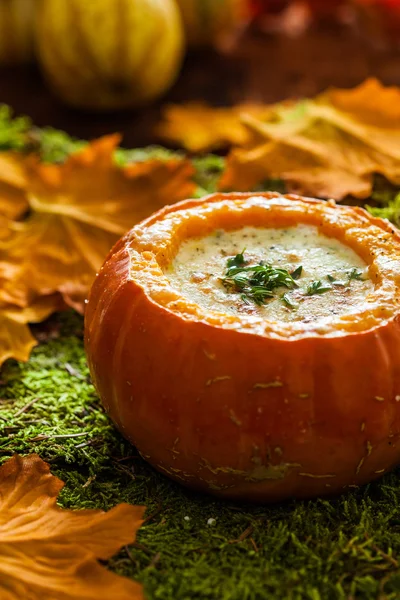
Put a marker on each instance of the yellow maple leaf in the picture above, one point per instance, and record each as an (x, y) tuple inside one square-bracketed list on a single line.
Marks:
[(198, 127), (330, 146), (47, 553), (78, 210)]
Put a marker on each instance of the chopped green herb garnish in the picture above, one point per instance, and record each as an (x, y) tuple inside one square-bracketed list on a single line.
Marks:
[(236, 261), (335, 281), (286, 299), (352, 274), (256, 294), (297, 272), (355, 274), (317, 287), (256, 282)]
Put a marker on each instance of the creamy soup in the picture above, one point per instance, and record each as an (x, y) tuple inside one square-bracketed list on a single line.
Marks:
[(332, 280)]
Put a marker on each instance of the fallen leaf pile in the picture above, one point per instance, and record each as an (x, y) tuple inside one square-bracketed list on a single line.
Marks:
[(48, 553), (329, 146), (74, 213)]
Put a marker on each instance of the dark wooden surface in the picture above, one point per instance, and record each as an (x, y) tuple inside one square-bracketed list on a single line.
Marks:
[(259, 68)]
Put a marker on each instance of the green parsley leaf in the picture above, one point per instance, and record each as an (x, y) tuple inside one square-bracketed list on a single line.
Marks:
[(335, 281), (236, 261), (296, 274), (255, 282), (317, 287), (286, 299), (355, 274)]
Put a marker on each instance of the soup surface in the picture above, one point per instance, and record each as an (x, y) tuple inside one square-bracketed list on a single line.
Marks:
[(219, 273)]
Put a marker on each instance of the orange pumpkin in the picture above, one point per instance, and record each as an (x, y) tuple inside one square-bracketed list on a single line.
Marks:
[(236, 404), (210, 21)]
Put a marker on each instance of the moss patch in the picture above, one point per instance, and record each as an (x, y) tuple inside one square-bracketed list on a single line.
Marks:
[(193, 546)]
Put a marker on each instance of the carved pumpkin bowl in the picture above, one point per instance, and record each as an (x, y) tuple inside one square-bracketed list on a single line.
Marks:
[(249, 345)]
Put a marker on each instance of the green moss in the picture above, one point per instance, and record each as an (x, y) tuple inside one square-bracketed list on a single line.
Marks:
[(390, 209), (124, 156), (53, 145), (13, 131), (340, 548), (209, 169)]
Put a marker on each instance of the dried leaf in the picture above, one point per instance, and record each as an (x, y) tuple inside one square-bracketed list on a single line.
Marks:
[(47, 553), (371, 102), (328, 147), (13, 202), (16, 340), (78, 210), (199, 127)]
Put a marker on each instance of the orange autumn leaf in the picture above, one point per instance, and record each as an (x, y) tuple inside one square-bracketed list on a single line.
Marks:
[(330, 146), (198, 127), (78, 210), (13, 201), (47, 553), (16, 340), (375, 102)]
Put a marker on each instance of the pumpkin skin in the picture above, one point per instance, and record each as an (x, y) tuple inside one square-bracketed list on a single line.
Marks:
[(208, 22), (257, 411), (16, 31), (109, 54)]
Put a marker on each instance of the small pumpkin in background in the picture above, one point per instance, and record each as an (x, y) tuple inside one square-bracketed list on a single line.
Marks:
[(16, 31), (107, 55), (209, 22)]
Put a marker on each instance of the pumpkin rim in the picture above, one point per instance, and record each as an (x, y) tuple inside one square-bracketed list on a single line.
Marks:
[(153, 243)]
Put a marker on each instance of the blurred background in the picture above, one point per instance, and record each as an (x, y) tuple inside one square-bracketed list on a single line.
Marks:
[(92, 68)]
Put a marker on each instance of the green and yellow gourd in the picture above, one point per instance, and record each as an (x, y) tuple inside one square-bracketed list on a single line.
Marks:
[(16, 31), (109, 54)]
